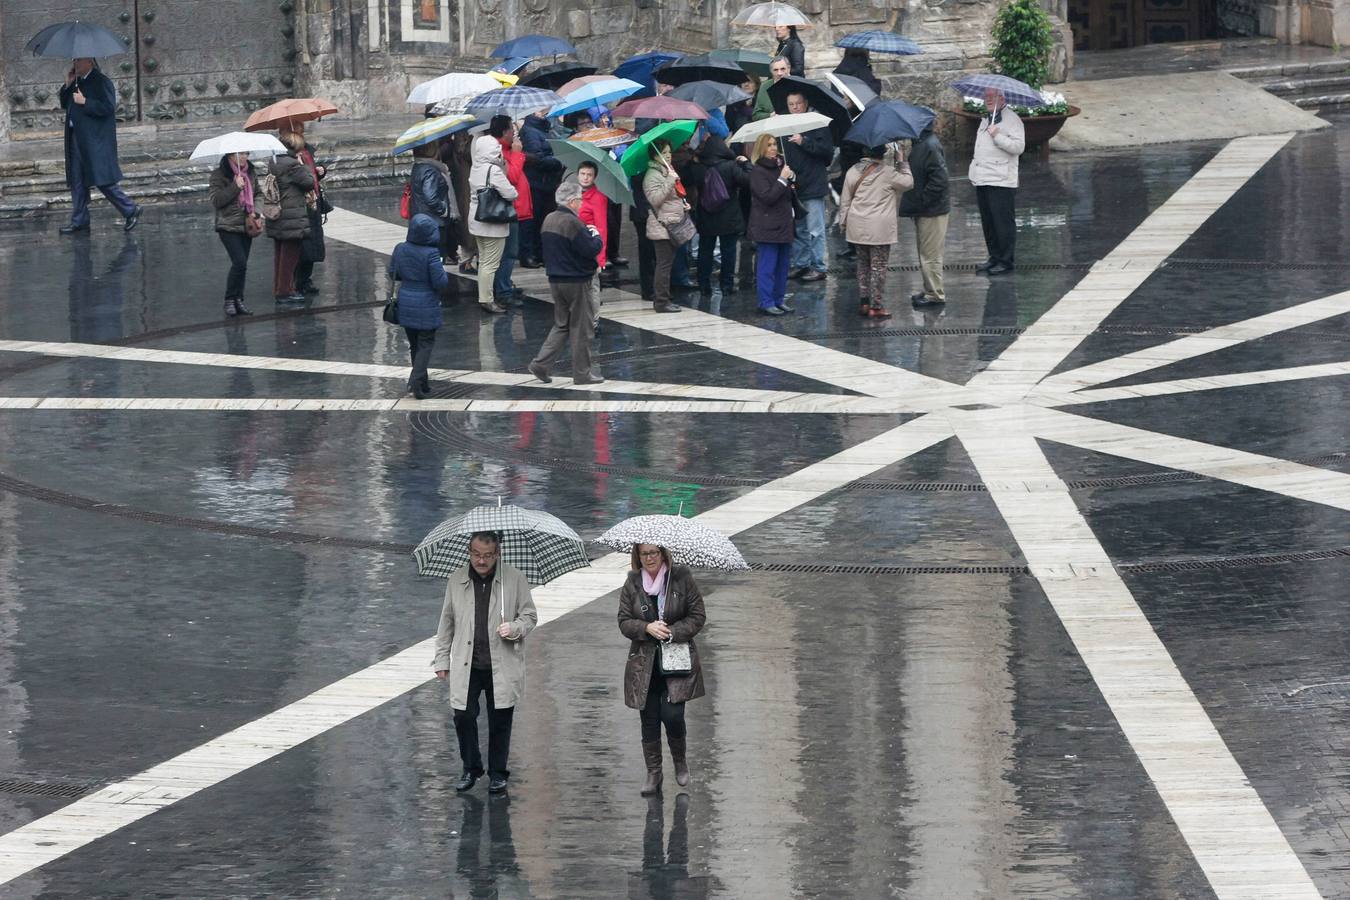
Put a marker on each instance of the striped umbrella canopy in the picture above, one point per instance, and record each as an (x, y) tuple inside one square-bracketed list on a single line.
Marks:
[(597, 94), (880, 42), (772, 15), (604, 138), (690, 543), (452, 84), (540, 545), (515, 102), (1016, 92), (428, 130)]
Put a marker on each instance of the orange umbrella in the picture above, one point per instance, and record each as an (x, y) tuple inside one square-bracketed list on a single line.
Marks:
[(584, 80), (300, 109), (605, 137)]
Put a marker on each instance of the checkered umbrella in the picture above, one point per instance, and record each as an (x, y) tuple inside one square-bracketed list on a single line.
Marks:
[(540, 545), (690, 543), (515, 102), (880, 42), (1017, 93)]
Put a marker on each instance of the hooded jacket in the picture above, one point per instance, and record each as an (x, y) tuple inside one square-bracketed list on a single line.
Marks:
[(489, 168), (541, 166), (416, 265), (433, 192)]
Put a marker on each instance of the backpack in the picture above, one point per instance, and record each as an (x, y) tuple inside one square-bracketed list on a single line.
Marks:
[(271, 198), (405, 201), (715, 194)]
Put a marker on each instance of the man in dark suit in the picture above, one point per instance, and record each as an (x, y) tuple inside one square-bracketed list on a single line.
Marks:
[(90, 104)]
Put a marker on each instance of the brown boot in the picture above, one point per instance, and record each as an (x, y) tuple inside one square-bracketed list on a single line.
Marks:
[(652, 754), (678, 758)]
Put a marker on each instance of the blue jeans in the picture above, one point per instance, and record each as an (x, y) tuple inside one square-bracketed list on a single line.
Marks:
[(771, 272), (679, 271), (808, 249), (79, 191), (501, 282)]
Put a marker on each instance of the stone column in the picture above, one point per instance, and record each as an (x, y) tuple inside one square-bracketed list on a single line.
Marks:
[(4, 94), (333, 52)]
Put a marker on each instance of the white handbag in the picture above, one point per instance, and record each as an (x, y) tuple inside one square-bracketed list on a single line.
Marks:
[(676, 659)]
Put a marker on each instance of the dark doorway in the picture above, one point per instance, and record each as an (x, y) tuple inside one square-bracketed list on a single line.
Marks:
[(1117, 24)]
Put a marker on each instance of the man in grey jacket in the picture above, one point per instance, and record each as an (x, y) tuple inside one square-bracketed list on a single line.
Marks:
[(570, 250), (993, 171), (928, 203)]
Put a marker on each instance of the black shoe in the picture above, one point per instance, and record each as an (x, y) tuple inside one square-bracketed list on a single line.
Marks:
[(787, 309), (925, 300), (529, 263), (240, 309), (497, 785), (540, 372), (590, 379), (466, 781), (797, 272), (492, 307), (998, 269), (72, 229), (292, 298), (132, 219), (770, 311), (812, 275), (666, 308), (619, 262), (308, 287), (917, 296)]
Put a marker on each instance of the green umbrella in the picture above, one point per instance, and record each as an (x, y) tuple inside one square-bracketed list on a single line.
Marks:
[(679, 132), (751, 61), (609, 176)]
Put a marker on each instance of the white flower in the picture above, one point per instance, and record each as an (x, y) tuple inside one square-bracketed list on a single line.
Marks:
[(1050, 98), (978, 101)]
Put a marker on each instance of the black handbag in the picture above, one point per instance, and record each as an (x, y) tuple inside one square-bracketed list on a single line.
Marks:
[(391, 303), (492, 206)]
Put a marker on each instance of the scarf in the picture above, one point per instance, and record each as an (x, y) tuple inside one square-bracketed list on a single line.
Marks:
[(246, 192), (655, 586)]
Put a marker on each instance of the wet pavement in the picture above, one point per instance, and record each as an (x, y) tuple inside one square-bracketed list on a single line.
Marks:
[(902, 699)]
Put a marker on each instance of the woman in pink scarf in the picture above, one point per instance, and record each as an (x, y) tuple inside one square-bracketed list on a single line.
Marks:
[(660, 603), (233, 192)]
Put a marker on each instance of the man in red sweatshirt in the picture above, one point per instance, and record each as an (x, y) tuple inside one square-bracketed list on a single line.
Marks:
[(595, 211)]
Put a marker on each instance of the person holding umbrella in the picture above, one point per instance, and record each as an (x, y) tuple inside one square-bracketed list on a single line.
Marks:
[(290, 228), (999, 141), (234, 195), (928, 203), (867, 215), (665, 197), (857, 62), (771, 225), (90, 104), (312, 247)]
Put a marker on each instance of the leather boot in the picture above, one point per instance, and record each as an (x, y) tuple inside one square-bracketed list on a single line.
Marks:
[(240, 309), (229, 308), (678, 758), (652, 754)]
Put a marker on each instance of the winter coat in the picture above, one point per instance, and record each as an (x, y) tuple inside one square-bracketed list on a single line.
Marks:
[(763, 102), (595, 211), (995, 160), (716, 155), (313, 248), (740, 114), (224, 196), (294, 180), (515, 173), (433, 192), (868, 205), (93, 126), (810, 162), (860, 70), (542, 168), (931, 195), (416, 265), (667, 207), (684, 615), (488, 168), (454, 637), (770, 204), (793, 50), (570, 250)]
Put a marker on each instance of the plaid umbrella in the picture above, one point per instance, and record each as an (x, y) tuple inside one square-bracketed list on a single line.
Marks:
[(880, 42), (428, 130), (636, 157), (513, 101), (540, 545), (690, 543), (1017, 93), (772, 15)]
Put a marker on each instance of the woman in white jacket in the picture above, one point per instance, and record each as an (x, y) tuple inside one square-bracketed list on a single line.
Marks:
[(489, 169), (993, 171)]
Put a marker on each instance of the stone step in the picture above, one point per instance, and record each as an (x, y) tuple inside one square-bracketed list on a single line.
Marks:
[(1284, 71), (1325, 101), (1328, 84)]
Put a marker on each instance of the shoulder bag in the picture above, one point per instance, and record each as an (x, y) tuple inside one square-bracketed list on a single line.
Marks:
[(492, 206), (391, 303), (676, 659)]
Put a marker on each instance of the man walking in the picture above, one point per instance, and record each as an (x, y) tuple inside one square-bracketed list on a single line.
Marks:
[(993, 171), (570, 251), (809, 156), (90, 104), (928, 203), (488, 611)]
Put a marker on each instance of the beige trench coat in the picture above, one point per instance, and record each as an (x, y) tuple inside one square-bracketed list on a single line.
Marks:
[(454, 637), (870, 202), (667, 207)]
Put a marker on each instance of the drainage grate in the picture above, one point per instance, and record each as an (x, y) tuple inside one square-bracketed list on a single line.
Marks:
[(1245, 561), (57, 789)]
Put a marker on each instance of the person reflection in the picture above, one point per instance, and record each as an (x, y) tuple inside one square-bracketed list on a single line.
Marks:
[(665, 875), (499, 874), (96, 301)]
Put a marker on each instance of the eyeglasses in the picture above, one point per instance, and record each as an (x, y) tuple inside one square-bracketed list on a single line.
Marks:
[(483, 557), (647, 554)]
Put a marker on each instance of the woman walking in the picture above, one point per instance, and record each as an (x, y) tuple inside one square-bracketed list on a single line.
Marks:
[(867, 215), (771, 225), (489, 170), (234, 191), (288, 230), (662, 188), (416, 265), (660, 602)]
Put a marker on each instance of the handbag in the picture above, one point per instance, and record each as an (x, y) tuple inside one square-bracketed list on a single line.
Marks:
[(682, 232), (253, 224), (676, 659), (391, 303), (325, 207), (492, 206)]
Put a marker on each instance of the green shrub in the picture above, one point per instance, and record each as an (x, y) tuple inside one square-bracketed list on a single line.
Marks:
[(1023, 40)]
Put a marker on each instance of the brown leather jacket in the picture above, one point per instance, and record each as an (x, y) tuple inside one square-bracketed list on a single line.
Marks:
[(684, 615)]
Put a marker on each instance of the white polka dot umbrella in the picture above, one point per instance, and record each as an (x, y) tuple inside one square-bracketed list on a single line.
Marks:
[(689, 542)]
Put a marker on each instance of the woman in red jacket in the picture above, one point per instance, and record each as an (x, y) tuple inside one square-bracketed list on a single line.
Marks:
[(505, 132)]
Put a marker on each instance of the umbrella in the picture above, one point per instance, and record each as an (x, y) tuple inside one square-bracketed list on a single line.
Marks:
[(455, 84), (540, 545), (610, 177), (597, 94), (635, 158), (700, 68), (751, 61), (428, 130), (640, 68), (772, 15), (512, 65), (820, 98), (663, 108), (75, 40), (503, 79), (604, 138), (779, 126), (880, 42), (854, 90), (285, 112), (256, 146), (513, 101), (1016, 92), (690, 543), (532, 45), (555, 75), (709, 94), (889, 120), (581, 82)]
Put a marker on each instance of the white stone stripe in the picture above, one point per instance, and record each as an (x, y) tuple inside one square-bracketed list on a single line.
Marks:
[(1053, 336), (1191, 385), (1193, 345), (1234, 838), (118, 805)]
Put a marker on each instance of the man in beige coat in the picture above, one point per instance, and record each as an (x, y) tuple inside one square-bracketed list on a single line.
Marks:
[(480, 649), (993, 171)]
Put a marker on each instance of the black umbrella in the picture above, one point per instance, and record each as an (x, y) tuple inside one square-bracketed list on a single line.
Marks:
[(709, 94), (555, 75), (890, 120), (818, 97), (75, 40), (855, 91), (700, 68)]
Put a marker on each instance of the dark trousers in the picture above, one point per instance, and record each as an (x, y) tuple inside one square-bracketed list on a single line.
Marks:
[(499, 728), (530, 247), (707, 244), (237, 245), (615, 231), (304, 272), (646, 263), (285, 258), (658, 709), (664, 254), (79, 191), (574, 315), (420, 344), (998, 217), (501, 282)]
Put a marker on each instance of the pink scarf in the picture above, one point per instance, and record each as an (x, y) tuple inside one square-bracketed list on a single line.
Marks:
[(245, 193), (655, 585)]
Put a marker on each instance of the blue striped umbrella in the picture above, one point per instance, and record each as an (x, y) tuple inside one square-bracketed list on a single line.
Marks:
[(428, 130), (513, 101), (1017, 93), (880, 42), (597, 93)]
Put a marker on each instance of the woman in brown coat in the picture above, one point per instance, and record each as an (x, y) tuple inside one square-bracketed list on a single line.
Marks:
[(660, 602), (867, 214)]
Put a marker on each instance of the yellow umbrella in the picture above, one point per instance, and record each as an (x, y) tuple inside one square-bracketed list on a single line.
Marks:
[(507, 79)]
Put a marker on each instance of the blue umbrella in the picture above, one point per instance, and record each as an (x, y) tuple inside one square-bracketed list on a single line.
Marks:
[(513, 65), (641, 68), (532, 45), (880, 42), (1017, 93), (889, 120), (76, 40), (596, 94), (513, 101)]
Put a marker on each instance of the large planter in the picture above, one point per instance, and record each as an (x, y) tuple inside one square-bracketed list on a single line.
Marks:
[(1039, 129)]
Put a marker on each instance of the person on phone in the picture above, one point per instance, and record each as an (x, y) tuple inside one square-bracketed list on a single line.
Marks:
[(771, 225), (660, 602), (233, 191), (89, 102), (571, 253)]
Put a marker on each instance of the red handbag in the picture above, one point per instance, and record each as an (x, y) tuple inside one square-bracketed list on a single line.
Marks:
[(405, 202)]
